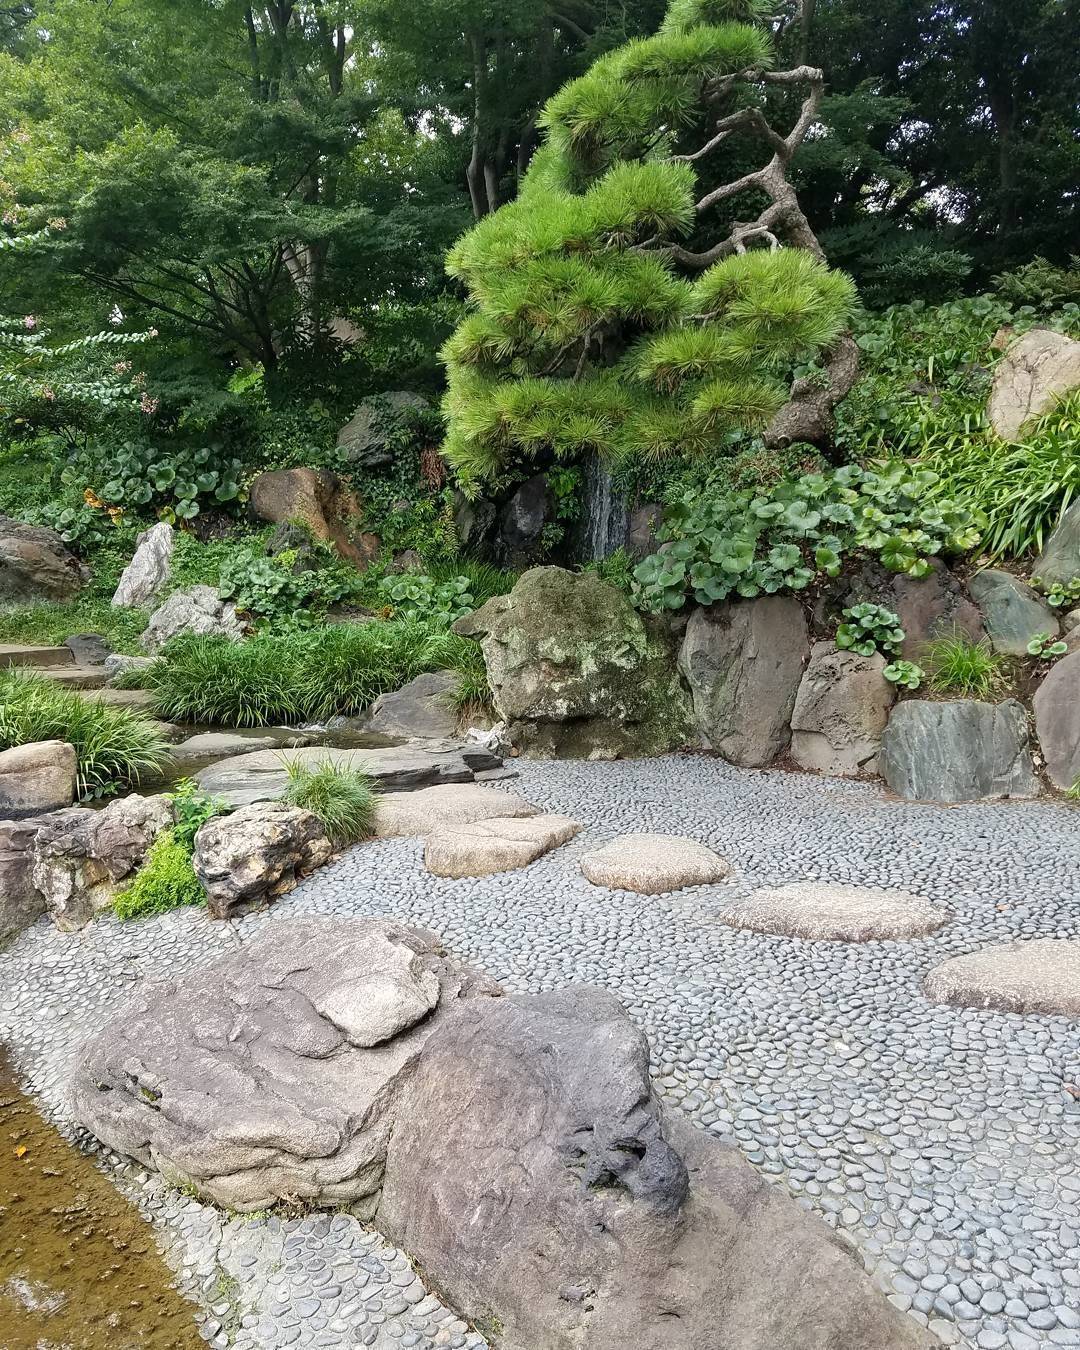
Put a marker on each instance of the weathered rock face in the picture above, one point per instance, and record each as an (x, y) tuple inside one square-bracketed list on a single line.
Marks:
[(641, 537), (928, 607), (473, 523), (35, 564), (518, 538), (1030, 378), (256, 854), (743, 662), (80, 856), (196, 610), (422, 708), (960, 751), (275, 1072), (368, 437), (1012, 612), (20, 900), (88, 649), (315, 499), (483, 848), (1060, 559), (146, 574), (37, 778), (557, 1207), (1057, 721), (574, 671), (840, 712), (653, 864)]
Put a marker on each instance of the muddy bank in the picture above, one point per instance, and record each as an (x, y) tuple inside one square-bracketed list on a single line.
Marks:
[(79, 1268)]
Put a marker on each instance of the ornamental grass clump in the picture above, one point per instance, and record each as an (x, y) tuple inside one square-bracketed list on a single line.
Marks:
[(344, 799), (114, 747), (959, 666)]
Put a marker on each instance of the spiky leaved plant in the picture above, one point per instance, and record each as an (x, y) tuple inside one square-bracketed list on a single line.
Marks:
[(620, 306)]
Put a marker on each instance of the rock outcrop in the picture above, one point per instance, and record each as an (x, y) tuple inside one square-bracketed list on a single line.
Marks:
[(37, 778), (35, 564), (368, 438), (20, 900), (960, 751), (256, 854), (743, 662), (519, 532), (929, 607), (1060, 559), (1057, 721), (1012, 612), (1036, 370), (198, 610), (147, 573), (575, 672), (840, 712), (422, 708), (318, 501)]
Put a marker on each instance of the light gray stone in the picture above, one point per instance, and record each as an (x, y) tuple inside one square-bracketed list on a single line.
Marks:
[(743, 662), (117, 664), (653, 864), (228, 744), (1034, 373), (483, 848), (147, 573), (825, 912), (37, 778), (433, 810), (1060, 559), (840, 712), (1037, 976), (1057, 721), (197, 610), (20, 900), (422, 708), (256, 854), (1012, 612), (958, 751)]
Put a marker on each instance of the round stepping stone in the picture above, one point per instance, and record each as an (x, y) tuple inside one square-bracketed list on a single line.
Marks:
[(1038, 976), (428, 810), (488, 846), (821, 911), (653, 863)]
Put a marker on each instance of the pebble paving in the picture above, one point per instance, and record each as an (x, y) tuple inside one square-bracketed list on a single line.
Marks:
[(943, 1143)]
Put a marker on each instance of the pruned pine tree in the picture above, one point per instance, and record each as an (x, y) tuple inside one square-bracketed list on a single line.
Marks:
[(655, 284)]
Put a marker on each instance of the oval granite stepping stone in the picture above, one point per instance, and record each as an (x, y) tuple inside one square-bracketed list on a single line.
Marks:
[(653, 863), (1038, 976), (824, 912), (484, 847), (429, 810)]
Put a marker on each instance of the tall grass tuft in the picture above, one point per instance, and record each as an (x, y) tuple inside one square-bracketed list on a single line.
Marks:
[(114, 747), (344, 799), (959, 666)]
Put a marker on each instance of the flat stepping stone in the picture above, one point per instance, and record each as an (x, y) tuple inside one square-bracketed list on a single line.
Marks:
[(823, 912), (139, 700), (432, 810), (73, 677), (485, 847), (247, 741), (653, 864), (15, 654), (1038, 976)]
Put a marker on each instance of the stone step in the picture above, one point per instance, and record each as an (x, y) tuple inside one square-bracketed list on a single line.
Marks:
[(138, 699), (75, 677), (40, 657)]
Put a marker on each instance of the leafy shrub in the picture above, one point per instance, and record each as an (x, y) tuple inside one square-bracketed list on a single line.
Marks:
[(114, 747), (1040, 284), (906, 674), (288, 590), (413, 595), (748, 543), (869, 629), (485, 580), (174, 477), (342, 798), (165, 881), (960, 666), (192, 808)]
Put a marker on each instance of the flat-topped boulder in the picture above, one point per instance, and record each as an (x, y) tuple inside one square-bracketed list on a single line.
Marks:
[(261, 777), (1037, 976), (653, 864), (826, 912), (256, 854), (435, 809), (486, 847), (422, 708)]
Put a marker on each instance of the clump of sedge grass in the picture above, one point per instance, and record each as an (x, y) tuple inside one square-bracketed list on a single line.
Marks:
[(344, 799), (959, 666)]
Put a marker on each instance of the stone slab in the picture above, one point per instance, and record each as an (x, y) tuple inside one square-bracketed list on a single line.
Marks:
[(653, 864), (826, 912), (14, 654), (430, 810), (486, 847), (1038, 976)]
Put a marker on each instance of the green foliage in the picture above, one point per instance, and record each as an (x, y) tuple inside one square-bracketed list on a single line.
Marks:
[(1059, 593), (191, 809), (312, 674), (50, 624), (869, 629), (485, 580), (1046, 648), (906, 674), (164, 882), (413, 595), (173, 478), (114, 747), (960, 666), (746, 544), (343, 799), (472, 695), (1040, 284), (617, 569)]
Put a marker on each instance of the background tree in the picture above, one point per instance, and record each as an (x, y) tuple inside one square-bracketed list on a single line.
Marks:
[(637, 297)]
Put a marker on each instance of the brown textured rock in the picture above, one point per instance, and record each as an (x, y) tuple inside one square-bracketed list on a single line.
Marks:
[(653, 864), (35, 564), (257, 854), (743, 662), (840, 712), (485, 847), (1057, 720), (1036, 370), (1038, 976), (317, 500), (37, 778)]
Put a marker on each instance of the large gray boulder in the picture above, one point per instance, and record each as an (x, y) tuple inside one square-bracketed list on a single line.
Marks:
[(37, 778), (1057, 721), (20, 900), (575, 672), (1036, 370), (743, 661), (422, 708), (840, 712), (1012, 612), (368, 439), (199, 610), (1060, 559), (147, 573), (534, 1176), (80, 856), (35, 564), (959, 751), (274, 1073), (256, 854)]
